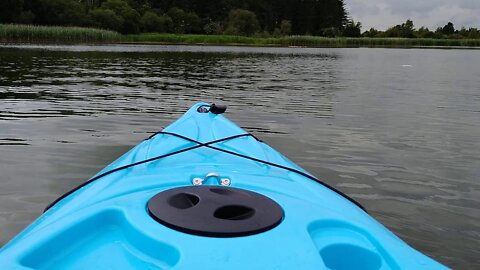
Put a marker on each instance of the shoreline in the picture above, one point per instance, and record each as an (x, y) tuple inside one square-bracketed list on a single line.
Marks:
[(292, 47), (146, 43), (299, 41), (57, 35)]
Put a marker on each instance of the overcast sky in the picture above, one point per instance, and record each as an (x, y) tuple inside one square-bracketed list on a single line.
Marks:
[(382, 14)]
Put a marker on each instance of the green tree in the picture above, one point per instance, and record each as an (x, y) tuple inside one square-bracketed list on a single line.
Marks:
[(473, 32), (10, 10), (151, 22), (285, 27), (330, 32), (448, 29), (371, 33), (61, 12), (242, 22), (213, 28), (25, 17), (91, 4), (424, 32), (185, 22), (315, 17), (106, 18), (178, 18), (405, 30), (352, 29), (193, 23), (131, 18)]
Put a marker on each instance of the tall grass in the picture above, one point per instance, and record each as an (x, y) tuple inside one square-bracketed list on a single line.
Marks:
[(55, 34), (302, 41), (11, 33), (192, 39)]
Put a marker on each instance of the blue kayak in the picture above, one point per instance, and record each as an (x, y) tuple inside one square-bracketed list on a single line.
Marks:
[(205, 194)]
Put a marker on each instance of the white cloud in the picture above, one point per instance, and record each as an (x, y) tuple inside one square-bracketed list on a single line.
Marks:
[(382, 14)]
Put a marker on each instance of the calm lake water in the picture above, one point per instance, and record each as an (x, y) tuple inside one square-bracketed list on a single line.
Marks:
[(396, 129)]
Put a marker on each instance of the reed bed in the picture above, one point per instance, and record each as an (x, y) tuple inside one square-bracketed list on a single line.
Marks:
[(192, 39), (300, 41), (16, 33), (12, 33)]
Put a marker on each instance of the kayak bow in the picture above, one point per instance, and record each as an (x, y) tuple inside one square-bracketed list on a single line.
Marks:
[(205, 194)]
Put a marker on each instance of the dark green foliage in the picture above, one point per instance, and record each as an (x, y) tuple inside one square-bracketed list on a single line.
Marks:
[(305, 15), (214, 28), (407, 30), (193, 23), (285, 27), (278, 17), (61, 12), (371, 33), (423, 32), (10, 10), (106, 19), (331, 32), (131, 18), (470, 33), (184, 22), (189, 16), (151, 22), (404, 30), (178, 18), (242, 22), (448, 29), (91, 4), (352, 29), (25, 17)]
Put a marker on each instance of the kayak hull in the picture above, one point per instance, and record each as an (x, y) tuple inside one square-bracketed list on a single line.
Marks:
[(106, 223)]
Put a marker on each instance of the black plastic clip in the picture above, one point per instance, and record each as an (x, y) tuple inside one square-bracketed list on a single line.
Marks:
[(216, 109)]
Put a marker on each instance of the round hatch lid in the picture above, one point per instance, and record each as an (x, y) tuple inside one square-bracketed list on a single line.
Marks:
[(215, 211)]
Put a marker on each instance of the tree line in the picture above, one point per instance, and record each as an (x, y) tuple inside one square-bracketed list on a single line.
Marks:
[(407, 30), (236, 17), (241, 17)]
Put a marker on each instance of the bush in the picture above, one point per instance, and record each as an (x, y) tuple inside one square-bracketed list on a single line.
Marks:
[(106, 19), (26, 17), (424, 32), (61, 12), (448, 29), (285, 27), (213, 28), (404, 30), (151, 22), (131, 18), (178, 18), (193, 23), (242, 22), (371, 33), (10, 10), (330, 32), (352, 29), (185, 22)]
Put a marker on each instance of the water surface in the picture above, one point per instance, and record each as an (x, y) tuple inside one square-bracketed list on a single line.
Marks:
[(396, 129)]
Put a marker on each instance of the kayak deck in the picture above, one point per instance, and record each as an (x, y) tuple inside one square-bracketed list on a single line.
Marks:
[(106, 224)]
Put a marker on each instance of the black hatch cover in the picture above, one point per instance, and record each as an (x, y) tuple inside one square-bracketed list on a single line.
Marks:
[(215, 211)]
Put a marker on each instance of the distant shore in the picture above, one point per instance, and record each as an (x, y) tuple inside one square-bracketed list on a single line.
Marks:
[(297, 41), (78, 35)]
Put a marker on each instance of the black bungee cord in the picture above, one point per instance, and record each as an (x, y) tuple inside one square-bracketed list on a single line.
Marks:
[(216, 109)]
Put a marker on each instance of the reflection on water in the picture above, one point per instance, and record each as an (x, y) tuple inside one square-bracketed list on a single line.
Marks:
[(396, 129)]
